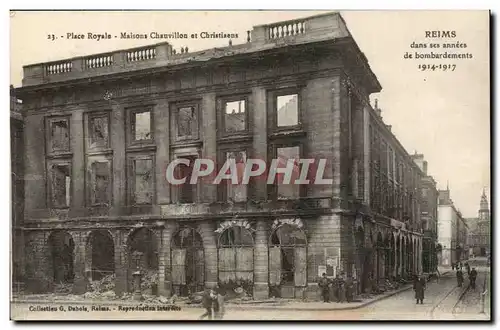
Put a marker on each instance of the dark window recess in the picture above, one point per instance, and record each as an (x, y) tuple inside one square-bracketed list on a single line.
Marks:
[(99, 133), (287, 108), (287, 255), (237, 192), (141, 126), (288, 190), (187, 122), (60, 135), (235, 116), (61, 186), (100, 183), (187, 191), (143, 181)]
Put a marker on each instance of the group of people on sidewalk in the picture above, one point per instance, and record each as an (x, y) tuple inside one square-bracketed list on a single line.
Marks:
[(340, 288), (471, 273)]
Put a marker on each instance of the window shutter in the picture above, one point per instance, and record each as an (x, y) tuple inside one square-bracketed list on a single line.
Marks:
[(199, 263), (227, 264), (179, 266), (244, 263), (300, 264), (274, 265)]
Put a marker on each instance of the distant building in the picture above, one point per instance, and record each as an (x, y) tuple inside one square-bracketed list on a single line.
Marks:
[(452, 231), (429, 216), (479, 230)]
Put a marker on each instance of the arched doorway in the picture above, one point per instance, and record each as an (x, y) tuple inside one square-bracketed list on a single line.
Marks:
[(61, 249), (389, 256), (188, 262), (142, 255), (404, 257), (287, 260), (99, 255), (361, 265), (397, 262), (379, 255), (235, 251)]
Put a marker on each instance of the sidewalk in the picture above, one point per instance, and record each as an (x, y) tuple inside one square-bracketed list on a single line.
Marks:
[(254, 305)]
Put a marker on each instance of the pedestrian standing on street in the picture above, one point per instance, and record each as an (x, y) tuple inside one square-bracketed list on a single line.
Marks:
[(340, 288), (460, 277), (324, 286), (467, 267), (219, 308), (472, 278), (349, 288), (208, 302), (419, 287)]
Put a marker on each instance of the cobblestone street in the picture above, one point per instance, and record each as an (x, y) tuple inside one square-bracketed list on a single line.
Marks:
[(440, 300)]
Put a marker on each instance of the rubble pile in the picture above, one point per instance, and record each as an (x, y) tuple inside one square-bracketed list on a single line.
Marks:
[(149, 280), (107, 283), (63, 288)]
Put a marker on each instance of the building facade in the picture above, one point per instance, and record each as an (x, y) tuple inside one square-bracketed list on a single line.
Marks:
[(17, 187), (429, 216), (101, 130), (479, 230), (452, 231)]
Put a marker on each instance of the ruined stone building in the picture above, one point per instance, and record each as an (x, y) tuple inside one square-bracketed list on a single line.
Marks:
[(101, 130), (17, 188)]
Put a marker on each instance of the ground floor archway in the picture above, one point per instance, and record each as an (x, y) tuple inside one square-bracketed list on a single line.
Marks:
[(61, 250), (142, 254), (99, 255), (188, 262)]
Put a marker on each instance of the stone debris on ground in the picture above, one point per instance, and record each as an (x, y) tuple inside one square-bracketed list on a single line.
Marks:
[(63, 288), (149, 279), (107, 283)]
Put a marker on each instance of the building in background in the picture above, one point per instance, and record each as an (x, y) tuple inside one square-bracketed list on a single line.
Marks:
[(17, 188), (429, 215), (101, 129), (452, 231), (480, 230)]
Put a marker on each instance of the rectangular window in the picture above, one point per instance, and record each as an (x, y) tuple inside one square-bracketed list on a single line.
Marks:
[(99, 131), (187, 122), (288, 190), (59, 135), (143, 181), (287, 110), (237, 192), (100, 179), (61, 185), (141, 126), (235, 116), (187, 191)]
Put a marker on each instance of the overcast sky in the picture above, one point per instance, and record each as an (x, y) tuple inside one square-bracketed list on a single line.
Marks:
[(444, 115)]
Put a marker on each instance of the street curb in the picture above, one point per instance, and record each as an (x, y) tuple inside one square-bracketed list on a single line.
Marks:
[(228, 306)]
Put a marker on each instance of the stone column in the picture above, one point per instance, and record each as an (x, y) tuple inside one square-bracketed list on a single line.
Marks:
[(165, 261), (207, 229), (259, 104), (261, 257), (78, 163), (162, 139), (118, 143), (209, 137), (80, 281), (121, 262)]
